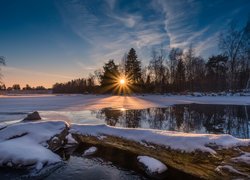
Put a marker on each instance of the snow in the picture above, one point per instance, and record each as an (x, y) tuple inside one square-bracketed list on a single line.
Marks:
[(90, 151), (230, 169), (70, 139), (152, 165), (244, 158), (186, 142), (25, 144), (26, 152)]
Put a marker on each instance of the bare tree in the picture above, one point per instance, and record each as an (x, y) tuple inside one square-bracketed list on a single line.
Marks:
[(189, 59), (157, 68), (175, 55), (234, 43)]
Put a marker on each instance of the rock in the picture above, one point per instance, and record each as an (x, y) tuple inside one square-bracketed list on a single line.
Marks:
[(32, 117)]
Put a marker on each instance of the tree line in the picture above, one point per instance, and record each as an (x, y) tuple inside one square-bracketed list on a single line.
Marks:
[(18, 87), (178, 71)]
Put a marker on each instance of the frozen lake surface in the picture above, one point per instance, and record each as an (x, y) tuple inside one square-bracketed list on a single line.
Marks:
[(14, 107), (219, 115)]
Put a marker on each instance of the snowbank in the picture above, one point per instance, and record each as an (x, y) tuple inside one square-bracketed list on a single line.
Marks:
[(25, 145), (153, 165), (186, 142)]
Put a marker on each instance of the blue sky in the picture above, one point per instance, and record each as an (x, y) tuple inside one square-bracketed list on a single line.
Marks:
[(48, 41)]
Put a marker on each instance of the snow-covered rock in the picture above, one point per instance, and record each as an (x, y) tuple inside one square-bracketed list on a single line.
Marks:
[(152, 165), (90, 151), (25, 145)]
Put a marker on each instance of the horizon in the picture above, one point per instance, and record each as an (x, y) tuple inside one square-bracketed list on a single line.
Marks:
[(50, 41)]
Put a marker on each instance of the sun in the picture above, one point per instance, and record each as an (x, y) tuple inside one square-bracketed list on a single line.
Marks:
[(121, 85), (122, 81)]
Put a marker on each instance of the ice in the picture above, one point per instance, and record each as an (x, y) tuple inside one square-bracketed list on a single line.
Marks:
[(152, 165)]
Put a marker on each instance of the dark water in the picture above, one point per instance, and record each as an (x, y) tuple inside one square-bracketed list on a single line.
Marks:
[(195, 118), (107, 164)]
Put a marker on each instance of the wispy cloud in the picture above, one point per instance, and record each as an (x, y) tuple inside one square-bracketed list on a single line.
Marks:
[(184, 24), (109, 31), (180, 21), (111, 3)]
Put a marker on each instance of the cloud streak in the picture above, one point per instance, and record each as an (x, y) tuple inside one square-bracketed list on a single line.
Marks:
[(111, 29)]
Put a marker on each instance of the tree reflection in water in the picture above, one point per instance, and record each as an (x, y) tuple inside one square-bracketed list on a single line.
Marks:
[(196, 118)]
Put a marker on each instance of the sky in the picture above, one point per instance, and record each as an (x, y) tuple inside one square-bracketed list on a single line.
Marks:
[(49, 41)]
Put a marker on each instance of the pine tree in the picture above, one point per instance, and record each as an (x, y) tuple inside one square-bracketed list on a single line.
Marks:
[(133, 67), (109, 76), (180, 76)]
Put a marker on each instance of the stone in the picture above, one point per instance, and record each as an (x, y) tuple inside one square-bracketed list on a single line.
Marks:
[(32, 117)]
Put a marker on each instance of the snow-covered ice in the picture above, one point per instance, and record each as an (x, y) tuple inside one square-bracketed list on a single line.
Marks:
[(153, 165)]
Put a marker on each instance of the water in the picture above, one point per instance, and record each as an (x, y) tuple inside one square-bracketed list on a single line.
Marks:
[(107, 164), (191, 118)]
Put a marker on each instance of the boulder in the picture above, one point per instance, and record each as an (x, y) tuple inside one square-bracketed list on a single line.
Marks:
[(32, 117)]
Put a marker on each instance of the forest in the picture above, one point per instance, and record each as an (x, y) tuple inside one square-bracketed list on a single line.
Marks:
[(176, 71)]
